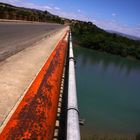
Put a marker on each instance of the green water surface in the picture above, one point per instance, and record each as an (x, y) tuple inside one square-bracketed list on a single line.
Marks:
[(108, 89)]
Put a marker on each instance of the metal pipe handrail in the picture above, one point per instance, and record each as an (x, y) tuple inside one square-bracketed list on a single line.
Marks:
[(73, 130)]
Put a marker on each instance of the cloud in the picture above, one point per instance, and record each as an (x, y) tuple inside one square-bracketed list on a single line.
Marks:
[(70, 15), (94, 20), (24, 3), (10, 1), (57, 8), (114, 14), (47, 7), (79, 10)]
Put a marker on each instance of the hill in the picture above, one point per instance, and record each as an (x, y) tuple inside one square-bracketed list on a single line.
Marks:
[(8, 11), (125, 35), (90, 36)]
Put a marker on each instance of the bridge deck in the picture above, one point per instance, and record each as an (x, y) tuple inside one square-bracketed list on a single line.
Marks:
[(18, 72)]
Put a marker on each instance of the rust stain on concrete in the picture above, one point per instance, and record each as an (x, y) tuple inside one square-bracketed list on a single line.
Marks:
[(35, 116)]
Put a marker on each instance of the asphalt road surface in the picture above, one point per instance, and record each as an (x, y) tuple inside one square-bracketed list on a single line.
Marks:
[(15, 37)]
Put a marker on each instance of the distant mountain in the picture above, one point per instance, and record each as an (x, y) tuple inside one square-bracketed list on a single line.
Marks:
[(124, 35)]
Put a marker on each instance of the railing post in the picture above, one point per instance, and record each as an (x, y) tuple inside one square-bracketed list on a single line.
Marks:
[(73, 131)]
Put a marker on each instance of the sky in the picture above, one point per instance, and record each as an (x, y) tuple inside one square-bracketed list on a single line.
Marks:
[(117, 15)]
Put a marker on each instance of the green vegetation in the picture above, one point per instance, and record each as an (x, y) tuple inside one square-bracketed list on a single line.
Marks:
[(17, 13), (90, 36)]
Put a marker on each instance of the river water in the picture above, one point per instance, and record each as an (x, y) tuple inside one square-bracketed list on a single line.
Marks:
[(108, 89)]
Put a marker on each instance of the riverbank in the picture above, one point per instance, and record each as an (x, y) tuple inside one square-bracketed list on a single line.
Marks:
[(129, 57)]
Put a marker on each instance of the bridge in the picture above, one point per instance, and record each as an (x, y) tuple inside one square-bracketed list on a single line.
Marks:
[(38, 88)]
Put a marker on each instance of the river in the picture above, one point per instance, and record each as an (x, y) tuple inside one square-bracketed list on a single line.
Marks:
[(108, 89)]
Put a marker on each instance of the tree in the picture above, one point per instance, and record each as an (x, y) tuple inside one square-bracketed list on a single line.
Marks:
[(90, 36)]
